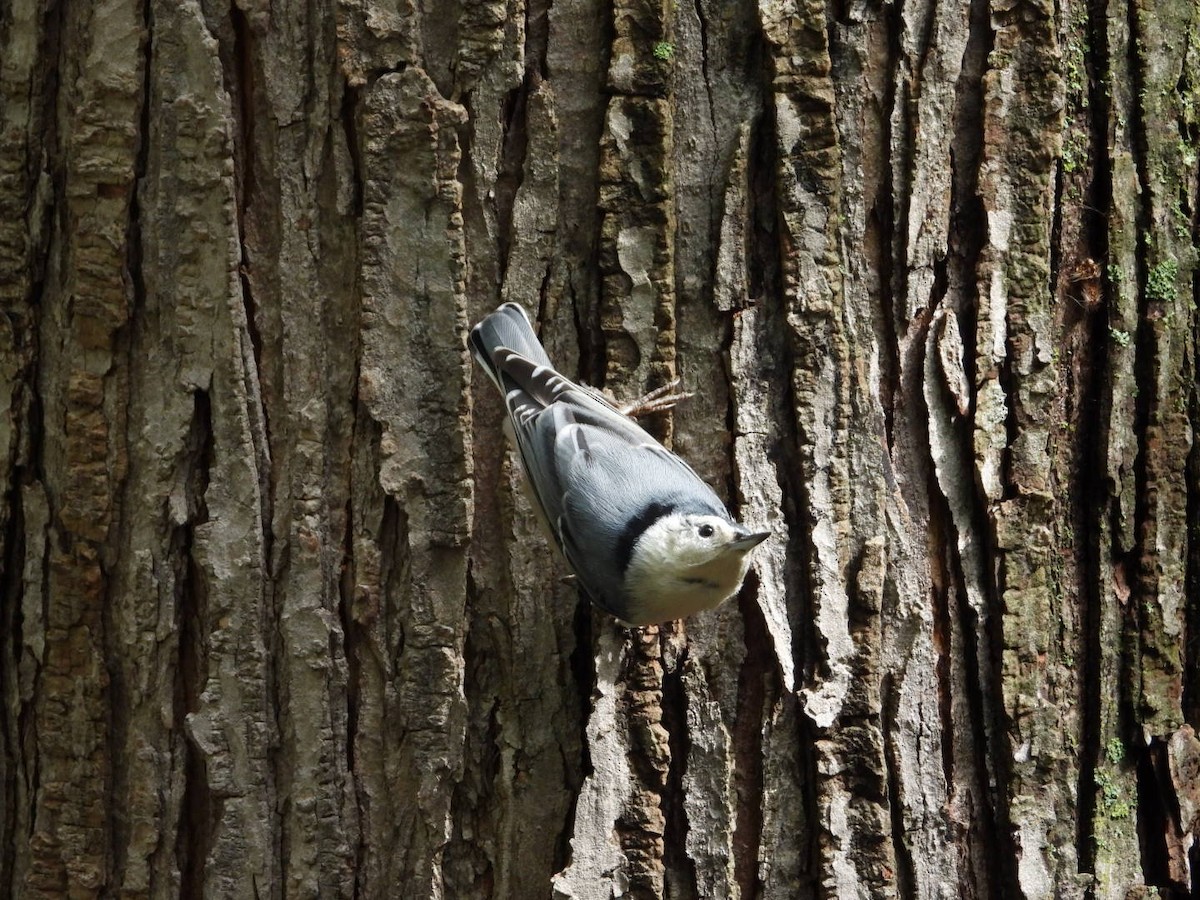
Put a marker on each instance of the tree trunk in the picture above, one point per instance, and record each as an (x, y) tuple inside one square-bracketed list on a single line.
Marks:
[(277, 620)]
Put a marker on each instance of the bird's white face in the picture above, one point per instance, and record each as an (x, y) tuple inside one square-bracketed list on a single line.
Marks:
[(686, 563), (679, 542), (696, 540)]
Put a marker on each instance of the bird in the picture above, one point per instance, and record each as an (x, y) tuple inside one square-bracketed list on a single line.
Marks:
[(648, 540)]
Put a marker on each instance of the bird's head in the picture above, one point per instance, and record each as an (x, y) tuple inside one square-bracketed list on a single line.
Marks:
[(686, 562), (689, 540)]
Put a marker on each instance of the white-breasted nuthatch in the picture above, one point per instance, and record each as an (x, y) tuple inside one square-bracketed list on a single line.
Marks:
[(649, 541)]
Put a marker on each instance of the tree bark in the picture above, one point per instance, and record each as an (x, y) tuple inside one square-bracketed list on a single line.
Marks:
[(276, 618)]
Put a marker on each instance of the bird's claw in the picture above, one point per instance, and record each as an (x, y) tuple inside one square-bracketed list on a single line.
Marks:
[(658, 400)]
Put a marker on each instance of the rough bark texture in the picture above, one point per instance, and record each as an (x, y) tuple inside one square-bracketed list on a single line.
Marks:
[(275, 617)]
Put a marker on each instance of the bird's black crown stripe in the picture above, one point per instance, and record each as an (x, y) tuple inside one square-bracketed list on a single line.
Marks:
[(635, 528)]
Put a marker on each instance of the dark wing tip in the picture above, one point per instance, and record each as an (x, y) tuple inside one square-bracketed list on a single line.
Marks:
[(514, 307), (476, 339)]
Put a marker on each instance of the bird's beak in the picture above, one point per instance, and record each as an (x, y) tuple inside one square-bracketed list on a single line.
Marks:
[(748, 540)]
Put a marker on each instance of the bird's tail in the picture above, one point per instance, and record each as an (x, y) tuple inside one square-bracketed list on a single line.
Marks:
[(507, 327)]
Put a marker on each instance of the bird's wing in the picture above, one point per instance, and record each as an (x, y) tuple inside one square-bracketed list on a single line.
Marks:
[(594, 472), (508, 327)]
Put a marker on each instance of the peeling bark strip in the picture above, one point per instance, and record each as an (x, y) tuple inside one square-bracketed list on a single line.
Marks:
[(275, 619)]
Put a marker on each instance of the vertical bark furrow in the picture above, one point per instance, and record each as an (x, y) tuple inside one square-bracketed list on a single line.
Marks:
[(26, 645), (1165, 154), (577, 52), (413, 298), (1191, 660), (522, 740), (511, 814), (530, 263), (708, 798), (641, 827), (637, 223), (28, 94), (727, 431), (896, 78), (775, 842), (751, 841), (637, 244), (598, 868), (975, 809), (189, 800), (1113, 822), (787, 865), (159, 613), (840, 458), (196, 325), (731, 442), (1085, 185), (1167, 263), (1016, 446), (754, 355), (491, 76), (300, 246), (680, 872), (715, 98), (1190, 128), (86, 303), (481, 36), (521, 614)]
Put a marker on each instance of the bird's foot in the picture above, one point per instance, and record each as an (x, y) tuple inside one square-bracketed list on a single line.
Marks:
[(658, 400)]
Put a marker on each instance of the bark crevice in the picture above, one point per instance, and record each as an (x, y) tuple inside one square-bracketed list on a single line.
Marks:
[(199, 809)]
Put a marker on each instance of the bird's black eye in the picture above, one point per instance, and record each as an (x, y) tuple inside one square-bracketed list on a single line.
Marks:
[(706, 531)]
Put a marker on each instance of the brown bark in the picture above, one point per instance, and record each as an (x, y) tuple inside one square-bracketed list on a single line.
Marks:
[(275, 617)]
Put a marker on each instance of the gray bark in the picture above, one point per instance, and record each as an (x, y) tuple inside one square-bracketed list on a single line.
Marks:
[(275, 616)]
